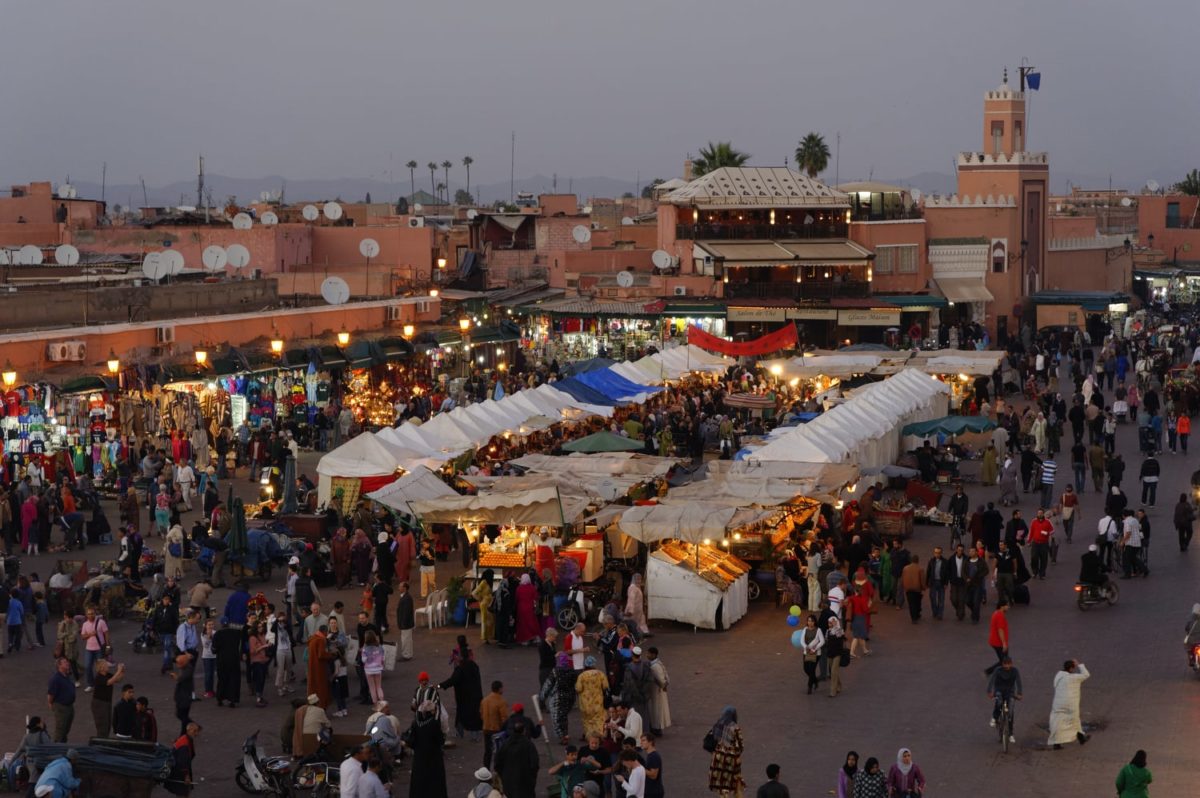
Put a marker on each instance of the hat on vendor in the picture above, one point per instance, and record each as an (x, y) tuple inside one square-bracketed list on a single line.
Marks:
[(381, 537), (313, 699)]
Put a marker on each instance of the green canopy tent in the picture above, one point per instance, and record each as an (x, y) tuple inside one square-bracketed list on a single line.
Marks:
[(949, 425), (603, 441)]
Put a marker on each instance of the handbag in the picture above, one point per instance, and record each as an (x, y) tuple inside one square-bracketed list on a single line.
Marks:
[(710, 742), (845, 658), (175, 550)]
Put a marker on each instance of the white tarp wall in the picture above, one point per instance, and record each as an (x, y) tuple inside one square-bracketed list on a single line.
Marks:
[(865, 429), (675, 593)]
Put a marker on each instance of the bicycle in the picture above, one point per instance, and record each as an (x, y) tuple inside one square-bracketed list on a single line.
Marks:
[(1005, 723), (957, 528)]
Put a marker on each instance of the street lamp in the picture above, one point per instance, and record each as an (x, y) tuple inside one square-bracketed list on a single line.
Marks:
[(201, 356), (9, 375), (409, 330), (464, 324), (343, 337), (277, 346), (114, 365), (441, 262), (433, 292)]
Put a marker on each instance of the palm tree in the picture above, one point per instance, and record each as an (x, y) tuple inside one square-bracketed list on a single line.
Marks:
[(1190, 184), (715, 156), (812, 155), (441, 188), (467, 161), (412, 177), (446, 165), (432, 177)]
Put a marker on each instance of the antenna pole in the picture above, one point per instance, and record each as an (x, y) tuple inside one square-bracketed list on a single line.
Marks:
[(103, 179), (200, 190), (512, 169), (145, 198), (837, 160)]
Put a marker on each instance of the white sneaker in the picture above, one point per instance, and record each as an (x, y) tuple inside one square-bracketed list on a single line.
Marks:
[(87, 689), (1012, 739), (76, 684), (992, 723)]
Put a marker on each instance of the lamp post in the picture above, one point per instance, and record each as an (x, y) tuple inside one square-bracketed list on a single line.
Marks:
[(408, 331), (201, 356), (464, 327), (9, 375), (343, 337), (114, 364)]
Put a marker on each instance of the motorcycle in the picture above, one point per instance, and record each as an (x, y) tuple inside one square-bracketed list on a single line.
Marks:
[(262, 775), (1089, 594), (1192, 646)]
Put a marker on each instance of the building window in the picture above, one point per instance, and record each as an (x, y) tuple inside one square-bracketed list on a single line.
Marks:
[(1018, 137), (1172, 214), (424, 307), (997, 136), (999, 257), (896, 259)]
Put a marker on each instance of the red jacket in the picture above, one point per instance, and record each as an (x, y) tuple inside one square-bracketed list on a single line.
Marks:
[(1040, 530)]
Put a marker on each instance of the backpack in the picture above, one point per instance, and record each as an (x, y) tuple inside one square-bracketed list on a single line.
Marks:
[(304, 592)]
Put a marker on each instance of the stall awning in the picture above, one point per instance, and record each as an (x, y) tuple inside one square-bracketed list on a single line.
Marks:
[(420, 484), (964, 289), (913, 302), (87, 384), (540, 507), (511, 223), (693, 522), (394, 348), (494, 335), (331, 357)]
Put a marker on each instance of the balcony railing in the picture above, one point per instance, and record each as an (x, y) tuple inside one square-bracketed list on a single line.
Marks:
[(809, 289), (886, 215), (751, 232)]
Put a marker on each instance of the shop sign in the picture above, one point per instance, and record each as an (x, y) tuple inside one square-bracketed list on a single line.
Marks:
[(813, 314), (755, 314), (876, 318)]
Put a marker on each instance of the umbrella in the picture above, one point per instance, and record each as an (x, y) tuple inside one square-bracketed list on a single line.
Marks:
[(289, 504), (949, 425), (603, 441), (236, 539)]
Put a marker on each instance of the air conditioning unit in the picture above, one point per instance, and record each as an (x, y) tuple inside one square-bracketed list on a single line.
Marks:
[(393, 313), (164, 335), (681, 290), (416, 221), (62, 351)]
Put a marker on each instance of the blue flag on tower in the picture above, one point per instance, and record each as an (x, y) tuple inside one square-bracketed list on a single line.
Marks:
[(1034, 80)]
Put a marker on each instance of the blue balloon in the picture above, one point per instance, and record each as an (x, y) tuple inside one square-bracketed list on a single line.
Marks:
[(798, 638), (793, 620)]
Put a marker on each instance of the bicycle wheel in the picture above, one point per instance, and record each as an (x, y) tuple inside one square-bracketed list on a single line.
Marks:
[(1003, 727)]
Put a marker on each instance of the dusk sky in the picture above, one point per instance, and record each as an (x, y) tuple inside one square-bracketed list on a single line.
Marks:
[(309, 89)]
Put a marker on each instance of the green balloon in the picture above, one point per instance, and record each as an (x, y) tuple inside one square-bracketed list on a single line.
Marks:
[(795, 610)]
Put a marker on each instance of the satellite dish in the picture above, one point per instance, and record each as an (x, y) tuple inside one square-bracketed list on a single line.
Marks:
[(215, 258), (1152, 185), (472, 213), (174, 261), (335, 291), (627, 221), (1126, 202), (153, 266), (30, 255), (333, 211), (369, 247), (66, 191), (238, 256), (310, 213), (916, 195), (625, 279), (242, 222), (265, 196), (417, 207), (581, 233), (269, 218), (661, 260), (66, 255)]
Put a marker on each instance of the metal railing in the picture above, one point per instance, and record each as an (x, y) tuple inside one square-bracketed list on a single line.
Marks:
[(751, 232), (809, 289)]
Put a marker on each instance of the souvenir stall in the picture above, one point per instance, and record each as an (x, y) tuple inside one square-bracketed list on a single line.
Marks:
[(690, 577), (33, 434), (361, 465), (85, 423)]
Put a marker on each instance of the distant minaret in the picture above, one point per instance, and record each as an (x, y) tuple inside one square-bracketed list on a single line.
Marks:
[(200, 185)]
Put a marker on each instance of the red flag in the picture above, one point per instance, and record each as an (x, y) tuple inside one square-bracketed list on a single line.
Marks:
[(783, 338)]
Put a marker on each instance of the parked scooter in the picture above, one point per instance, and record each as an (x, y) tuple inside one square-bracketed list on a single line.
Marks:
[(262, 775)]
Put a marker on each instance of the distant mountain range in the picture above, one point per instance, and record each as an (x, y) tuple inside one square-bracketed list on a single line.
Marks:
[(352, 189)]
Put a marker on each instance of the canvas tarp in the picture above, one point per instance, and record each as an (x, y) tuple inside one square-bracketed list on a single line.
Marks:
[(602, 464), (539, 507), (980, 363), (693, 522), (616, 386), (676, 593), (603, 441), (420, 484), (606, 488)]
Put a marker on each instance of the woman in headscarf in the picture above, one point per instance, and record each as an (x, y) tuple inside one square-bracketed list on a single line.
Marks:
[(813, 571), (340, 552), (1008, 482), (528, 630), (468, 690), (483, 594), (845, 787), (360, 557), (173, 552), (814, 640), (835, 644), (1134, 779), (635, 604), (905, 779), (859, 606), (1038, 431), (870, 782), (558, 693), (425, 738), (725, 769), (591, 685), (29, 517)]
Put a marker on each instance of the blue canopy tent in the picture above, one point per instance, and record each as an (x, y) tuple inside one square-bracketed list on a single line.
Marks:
[(582, 392), (949, 425), (584, 366), (614, 386)]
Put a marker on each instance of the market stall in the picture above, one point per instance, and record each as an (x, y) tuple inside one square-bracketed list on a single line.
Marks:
[(420, 484), (361, 465)]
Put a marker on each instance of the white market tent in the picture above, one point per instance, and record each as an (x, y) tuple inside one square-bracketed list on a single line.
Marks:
[(694, 522), (676, 593), (421, 484), (957, 361), (600, 464), (361, 456), (865, 429), (537, 507)]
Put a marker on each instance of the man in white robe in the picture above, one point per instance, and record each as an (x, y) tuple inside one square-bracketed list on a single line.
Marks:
[(660, 707), (1065, 724)]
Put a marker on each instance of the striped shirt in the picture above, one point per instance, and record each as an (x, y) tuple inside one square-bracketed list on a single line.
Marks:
[(1048, 469)]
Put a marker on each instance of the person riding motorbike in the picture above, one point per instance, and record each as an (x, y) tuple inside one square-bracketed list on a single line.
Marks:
[(1092, 570), (1004, 685), (1191, 631)]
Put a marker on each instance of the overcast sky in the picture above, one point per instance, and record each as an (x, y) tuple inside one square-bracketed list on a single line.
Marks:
[(355, 88)]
